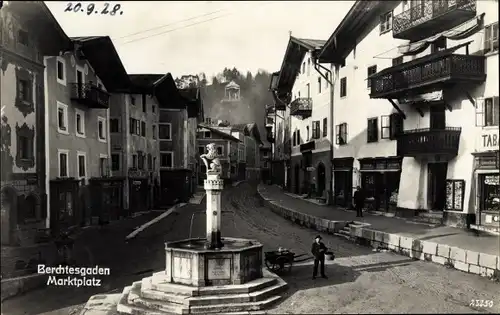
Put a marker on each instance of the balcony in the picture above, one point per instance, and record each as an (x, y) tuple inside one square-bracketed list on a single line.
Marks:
[(432, 17), (89, 95), (301, 107), (422, 142), (423, 74)]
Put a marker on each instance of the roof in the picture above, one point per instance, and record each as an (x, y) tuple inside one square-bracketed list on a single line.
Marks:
[(193, 100), (232, 85), (38, 19), (254, 132), (102, 55), (240, 127), (290, 67), (221, 134), (167, 93), (355, 23), (144, 83)]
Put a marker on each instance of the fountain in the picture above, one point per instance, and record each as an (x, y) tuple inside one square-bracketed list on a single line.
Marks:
[(202, 275)]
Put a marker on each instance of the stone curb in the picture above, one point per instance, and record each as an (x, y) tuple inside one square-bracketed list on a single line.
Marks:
[(15, 286), (485, 265), (309, 221), (149, 223)]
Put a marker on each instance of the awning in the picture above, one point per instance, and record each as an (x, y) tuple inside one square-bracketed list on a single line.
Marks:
[(462, 31)]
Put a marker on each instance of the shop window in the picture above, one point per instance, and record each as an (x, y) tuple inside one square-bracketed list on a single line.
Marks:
[(490, 192), (455, 194)]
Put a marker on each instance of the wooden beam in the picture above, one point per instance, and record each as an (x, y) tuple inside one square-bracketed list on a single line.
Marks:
[(471, 99), (397, 108)]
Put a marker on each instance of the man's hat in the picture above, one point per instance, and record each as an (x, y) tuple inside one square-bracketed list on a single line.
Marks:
[(318, 236)]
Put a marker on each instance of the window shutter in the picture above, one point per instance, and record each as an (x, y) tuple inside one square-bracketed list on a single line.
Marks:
[(480, 112)]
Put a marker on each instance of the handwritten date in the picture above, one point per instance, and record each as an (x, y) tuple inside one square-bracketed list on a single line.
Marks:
[(92, 9)]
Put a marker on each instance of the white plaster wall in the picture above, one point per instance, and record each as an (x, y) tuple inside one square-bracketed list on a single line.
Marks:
[(355, 108), (320, 109)]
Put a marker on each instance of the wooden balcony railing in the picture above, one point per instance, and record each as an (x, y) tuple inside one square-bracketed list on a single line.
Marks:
[(301, 106), (424, 72), (432, 17), (427, 141), (90, 95)]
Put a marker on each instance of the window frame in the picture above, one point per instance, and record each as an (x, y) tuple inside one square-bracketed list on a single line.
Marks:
[(171, 153), (488, 44), (104, 169), (153, 131), (386, 21), (102, 120), (325, 127), (169, 129), (320, 86), (119, 162), (395, 61), (64, 107), (343, 87), (143, 128), (61, 60), (369, 74), (372, 135), (27, 91), (494, 104), (84, 155), (59, 153), (205, 134), (81, 113), (118, 129), (341, 129)]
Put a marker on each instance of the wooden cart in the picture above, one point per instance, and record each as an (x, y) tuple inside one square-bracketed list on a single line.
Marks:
[(279, 261)]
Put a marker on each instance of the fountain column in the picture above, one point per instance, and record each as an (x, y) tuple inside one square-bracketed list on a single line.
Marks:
[(213, 187)]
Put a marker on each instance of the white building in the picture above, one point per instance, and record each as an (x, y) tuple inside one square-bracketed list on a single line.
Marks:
[(419, 133), (305, 86)]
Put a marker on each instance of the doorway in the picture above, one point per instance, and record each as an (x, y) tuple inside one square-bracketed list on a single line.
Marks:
[(436, 192), (321, 179), (437, 117), (297, 179)]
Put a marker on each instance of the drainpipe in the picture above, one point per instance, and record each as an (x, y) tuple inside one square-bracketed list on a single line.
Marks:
[(331, 83)]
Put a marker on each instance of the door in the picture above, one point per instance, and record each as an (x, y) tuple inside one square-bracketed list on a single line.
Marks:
[(438, 117), (436, 192), (64, 204), (321, 179), (297, 179)]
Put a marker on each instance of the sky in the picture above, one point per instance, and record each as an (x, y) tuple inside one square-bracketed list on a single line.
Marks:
[(190, 37)]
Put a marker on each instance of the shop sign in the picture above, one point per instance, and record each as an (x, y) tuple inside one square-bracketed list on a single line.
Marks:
[(492, 180), (488, 140), (310, 168)]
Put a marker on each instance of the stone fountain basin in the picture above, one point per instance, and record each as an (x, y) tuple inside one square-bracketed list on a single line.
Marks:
[(189, 263)]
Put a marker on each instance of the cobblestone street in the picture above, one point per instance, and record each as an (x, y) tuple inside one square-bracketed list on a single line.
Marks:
[(360, 280)]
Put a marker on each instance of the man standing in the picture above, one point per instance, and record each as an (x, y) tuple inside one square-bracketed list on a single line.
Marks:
[(359, 201), (318, 250)]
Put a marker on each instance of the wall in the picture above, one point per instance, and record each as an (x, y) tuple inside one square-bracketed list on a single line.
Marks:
[(320, 108), (177, 120), (149, 143), (90, 144), (22, 180), (120, 141)]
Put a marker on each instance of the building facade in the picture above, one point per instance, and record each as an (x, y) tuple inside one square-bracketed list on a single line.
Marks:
[(279, 134), (429, 102), (77, 101), (180, 111), (23, 27), (134, 142), (307, 89), (225, 144)]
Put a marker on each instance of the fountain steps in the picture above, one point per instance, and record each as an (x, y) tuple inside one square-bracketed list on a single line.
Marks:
[(143, 297)]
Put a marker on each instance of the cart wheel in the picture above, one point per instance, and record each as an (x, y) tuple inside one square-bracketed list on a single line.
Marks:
[(281, 262)]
